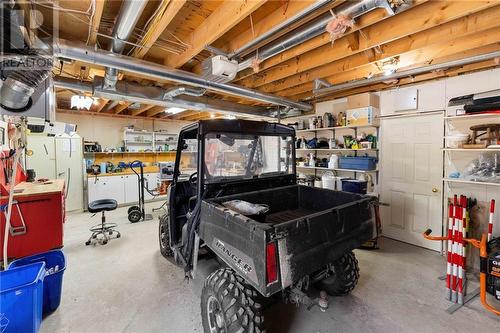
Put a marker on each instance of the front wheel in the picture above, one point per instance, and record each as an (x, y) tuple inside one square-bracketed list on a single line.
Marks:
[(344, 276), (163, 237), (229, 304)]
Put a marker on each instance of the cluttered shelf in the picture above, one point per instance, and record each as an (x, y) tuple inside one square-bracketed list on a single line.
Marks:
[(464, 181), (335, 128), (469, 116), (103, 153), (472, 149), (334, 149), (338, 169)]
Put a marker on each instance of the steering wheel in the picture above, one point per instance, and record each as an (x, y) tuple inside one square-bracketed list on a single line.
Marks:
[(193, 179)]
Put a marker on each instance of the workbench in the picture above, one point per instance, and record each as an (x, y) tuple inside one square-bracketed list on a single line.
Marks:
[(37, 220)]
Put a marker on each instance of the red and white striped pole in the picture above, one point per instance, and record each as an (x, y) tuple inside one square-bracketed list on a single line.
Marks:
[(490, 223), (460, 250), (464, 244), (449, 252), (456, 209)]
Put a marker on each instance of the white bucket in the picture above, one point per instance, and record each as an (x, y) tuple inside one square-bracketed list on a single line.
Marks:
[(328, 180)]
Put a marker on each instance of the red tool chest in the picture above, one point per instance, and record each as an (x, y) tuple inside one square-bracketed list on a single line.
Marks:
[(37, 219)]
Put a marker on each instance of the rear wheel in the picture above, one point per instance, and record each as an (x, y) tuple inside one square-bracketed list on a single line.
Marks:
[(134, 216), (163, 236), (344, 276), (229, 304)]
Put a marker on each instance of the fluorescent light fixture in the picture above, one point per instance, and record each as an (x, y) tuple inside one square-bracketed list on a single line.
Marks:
[(230, 117), (212, 116), (81, 102), (174, 110)]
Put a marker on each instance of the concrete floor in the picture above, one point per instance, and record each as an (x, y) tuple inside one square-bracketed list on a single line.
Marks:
[(127, 286)]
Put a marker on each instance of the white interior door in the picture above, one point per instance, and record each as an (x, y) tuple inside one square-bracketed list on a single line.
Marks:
[(411, 178)]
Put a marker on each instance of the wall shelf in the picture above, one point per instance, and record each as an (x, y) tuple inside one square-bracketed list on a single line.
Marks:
[(338, 169), (335, 128), (335, 149), (463, 181), (103, 153), (474, 149), (471, 116)]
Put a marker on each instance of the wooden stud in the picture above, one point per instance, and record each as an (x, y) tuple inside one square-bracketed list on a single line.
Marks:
[(226, 16), (158, 26), (141, 110)]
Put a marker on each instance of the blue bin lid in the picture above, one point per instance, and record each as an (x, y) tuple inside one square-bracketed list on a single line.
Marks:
[(15, 278), (51, 259)]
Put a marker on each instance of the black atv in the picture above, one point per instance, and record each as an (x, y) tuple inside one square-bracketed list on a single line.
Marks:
[(234, 194)]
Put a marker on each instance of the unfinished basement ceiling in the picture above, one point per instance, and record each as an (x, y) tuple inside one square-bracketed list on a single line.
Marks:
[(175, 33)]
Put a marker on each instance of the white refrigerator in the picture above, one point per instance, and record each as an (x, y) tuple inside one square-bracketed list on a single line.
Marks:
[(61, 157)]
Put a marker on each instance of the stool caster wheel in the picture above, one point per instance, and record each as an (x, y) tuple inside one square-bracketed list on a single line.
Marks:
[(104, 242), (94, 237), (87, 243), (118, 236), (110, 232)]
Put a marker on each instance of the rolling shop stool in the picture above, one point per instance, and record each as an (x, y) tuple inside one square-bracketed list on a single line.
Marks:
[(104, 229)]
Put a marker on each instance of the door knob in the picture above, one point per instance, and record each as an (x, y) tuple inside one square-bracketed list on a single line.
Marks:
[(434, 190)]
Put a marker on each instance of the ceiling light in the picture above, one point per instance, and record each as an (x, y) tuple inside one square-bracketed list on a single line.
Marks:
[(390, 66), (81, 102), (212, 116), (230, 117), (174, 110)]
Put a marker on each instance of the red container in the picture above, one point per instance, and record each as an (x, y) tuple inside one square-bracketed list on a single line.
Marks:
[(43, 215)]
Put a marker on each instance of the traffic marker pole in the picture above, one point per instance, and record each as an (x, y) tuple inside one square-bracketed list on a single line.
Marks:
[(460, 288), (490, 223), (449, 252), (456, 209)]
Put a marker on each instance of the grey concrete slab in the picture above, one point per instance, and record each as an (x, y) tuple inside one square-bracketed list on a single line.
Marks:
[(127, 286)]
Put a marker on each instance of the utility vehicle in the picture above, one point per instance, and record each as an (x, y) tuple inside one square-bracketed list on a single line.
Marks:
[(306, 236)]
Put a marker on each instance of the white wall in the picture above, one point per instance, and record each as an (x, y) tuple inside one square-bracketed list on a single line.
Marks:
[(434, 96), (109, 131)]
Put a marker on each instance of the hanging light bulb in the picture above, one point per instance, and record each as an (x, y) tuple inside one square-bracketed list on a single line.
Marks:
[(81, 102)]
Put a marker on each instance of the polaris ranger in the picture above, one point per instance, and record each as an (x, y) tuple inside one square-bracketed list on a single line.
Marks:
[(235, 194)]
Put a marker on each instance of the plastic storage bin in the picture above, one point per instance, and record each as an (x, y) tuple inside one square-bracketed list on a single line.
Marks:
[(55, 264), (354, 186), (358, 162), (21, 297)]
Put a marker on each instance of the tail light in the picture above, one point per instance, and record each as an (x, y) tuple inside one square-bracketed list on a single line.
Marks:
[(271, 263)]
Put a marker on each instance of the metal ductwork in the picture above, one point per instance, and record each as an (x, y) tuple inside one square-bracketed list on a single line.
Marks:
[(351, 9), (130, 12), (408, 73), (20, 74), (186, 98), (64, 49), (177, 91)]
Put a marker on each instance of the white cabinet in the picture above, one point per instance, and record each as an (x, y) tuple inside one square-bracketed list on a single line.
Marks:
[(124, 188), (151, 182), (107, 187), (131, 188)]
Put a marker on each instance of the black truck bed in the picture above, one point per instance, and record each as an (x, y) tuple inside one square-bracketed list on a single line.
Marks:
[(311, 227)]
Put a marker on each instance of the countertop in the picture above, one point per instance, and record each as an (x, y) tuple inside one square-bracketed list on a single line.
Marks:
[(49, 187)]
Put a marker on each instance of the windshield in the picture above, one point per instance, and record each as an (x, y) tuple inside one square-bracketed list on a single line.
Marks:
[(235, 156)]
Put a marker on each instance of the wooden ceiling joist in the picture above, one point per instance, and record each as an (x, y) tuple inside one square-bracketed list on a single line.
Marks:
[(419, 19), (155, 111), (225, 17), (96, 21), (141, 110), (458, 29), (158, 26), (121, 107), (100, 105)]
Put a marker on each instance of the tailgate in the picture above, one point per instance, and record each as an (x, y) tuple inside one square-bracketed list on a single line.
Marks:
[(309, 243)]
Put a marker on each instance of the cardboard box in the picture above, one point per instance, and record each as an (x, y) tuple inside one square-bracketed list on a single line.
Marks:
[(362, 116), (363, 100)]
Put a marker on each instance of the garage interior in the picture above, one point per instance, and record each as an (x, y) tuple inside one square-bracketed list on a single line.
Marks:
[(250, 166)]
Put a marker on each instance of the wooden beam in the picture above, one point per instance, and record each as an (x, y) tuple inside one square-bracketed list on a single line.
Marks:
[(158, 26), (121, 107), (442, 34), (226, 16), (112, 115), (142, 109), (102, 103), (417, 19), (155, 110), (182, 114), (96, 21), (445, 54)]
